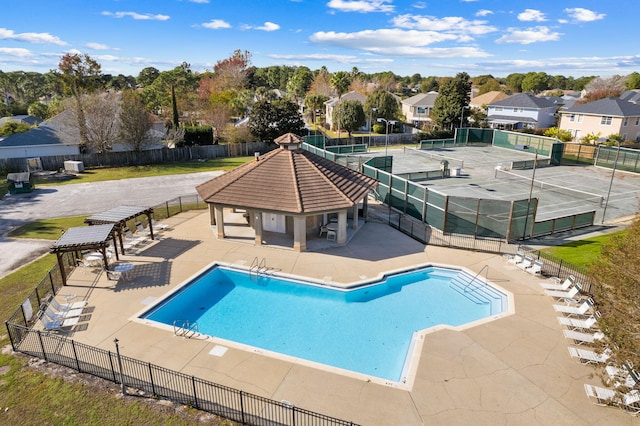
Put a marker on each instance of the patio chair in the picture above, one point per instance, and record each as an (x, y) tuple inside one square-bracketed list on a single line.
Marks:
[(58, 325), (569, 294), (159, 226), (628, 402), (517, 258), (571, 310), (66, 306), (559, 287), (131, 240), (332, 235), (55, 316), (619, 377), (526, 263), (580, 323), (586, 356), (141, 229), (580, 338), (536, 268)]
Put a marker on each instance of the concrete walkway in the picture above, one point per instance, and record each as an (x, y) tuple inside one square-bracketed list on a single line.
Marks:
[(514, 370)]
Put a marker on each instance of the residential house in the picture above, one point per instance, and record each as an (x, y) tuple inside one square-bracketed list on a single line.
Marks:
[(29, 119), (488, 98), (521, 111), (332, 103), (417, 109), (603, 117)]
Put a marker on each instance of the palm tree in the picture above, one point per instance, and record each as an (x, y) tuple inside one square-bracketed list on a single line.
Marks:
[(340, 82)]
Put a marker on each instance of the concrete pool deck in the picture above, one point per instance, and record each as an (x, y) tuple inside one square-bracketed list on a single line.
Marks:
[(514, 370)]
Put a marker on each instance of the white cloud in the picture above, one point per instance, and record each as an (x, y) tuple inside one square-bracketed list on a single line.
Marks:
[(420, 5), (362, 6), (314, 57), (216, 24), (41, 38), (528, 36), (269, 26), (484, 12), (584, 15), (109, 58), (99, 46), (532, 15), (15, 51), (449, 24), (137, 16), (199, 1)]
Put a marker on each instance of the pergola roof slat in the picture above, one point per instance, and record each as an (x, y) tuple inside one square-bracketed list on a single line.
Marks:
[(83, 236)]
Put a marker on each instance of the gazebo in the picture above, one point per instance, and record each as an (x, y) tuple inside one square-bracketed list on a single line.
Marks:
[(289, 191), (84, 238), (118, 217)]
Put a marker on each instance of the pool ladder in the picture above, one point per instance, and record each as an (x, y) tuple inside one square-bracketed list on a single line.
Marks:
[(185, 328), (258, 267), (474, 279)]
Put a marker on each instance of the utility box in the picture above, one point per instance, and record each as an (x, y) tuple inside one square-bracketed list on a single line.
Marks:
[(74, 166), (20, 183)]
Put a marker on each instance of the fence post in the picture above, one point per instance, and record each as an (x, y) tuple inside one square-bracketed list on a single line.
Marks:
[(293, 415), (242, 408), (153, 386), (44, 353), (75, 356), (124, 391), (195, 394), (113, 370)]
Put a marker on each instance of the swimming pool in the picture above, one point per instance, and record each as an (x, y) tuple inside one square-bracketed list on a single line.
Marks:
[(367, 329)]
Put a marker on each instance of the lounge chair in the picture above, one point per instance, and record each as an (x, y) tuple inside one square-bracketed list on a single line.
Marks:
[(129, 237), (58, 325), (536, 268), (569, 294), (571, 310), (583, 323), (619, 377), (159, 226), (585, 356), (580, 338), (517, 258), (141, 229), (67, 306), (559, 287), (526, 263), (607, 397), (55, 316)]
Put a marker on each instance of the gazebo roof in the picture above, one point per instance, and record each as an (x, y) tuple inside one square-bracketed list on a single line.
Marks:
[(290, 181), (118, 214), (83, 237)]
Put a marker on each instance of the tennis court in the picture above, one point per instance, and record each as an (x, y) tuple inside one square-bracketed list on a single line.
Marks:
[(561, 190)]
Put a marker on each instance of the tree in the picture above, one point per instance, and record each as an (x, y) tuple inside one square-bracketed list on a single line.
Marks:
[(632, 81), (39, 109), (490, 85), (429, 84), (599, 94), (314, 105), (80, 74), (613, 83), (535, 82), (232, 72), (352, 115), (147, 76), (387, 105), (560, 134), (101, 120), (616, 290), (11, 127), (514, 81), (340, 82), (321, 84), (452, 100), (135, 121), (268, 120), (300, 82)]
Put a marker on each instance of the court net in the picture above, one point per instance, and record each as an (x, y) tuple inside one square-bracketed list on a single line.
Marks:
[(436, 156), (575, 194)]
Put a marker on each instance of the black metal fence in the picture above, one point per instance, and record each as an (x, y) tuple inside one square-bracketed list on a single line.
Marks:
[(161, 382), (152, 379)]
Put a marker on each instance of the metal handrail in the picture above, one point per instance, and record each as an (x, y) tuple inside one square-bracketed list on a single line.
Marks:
[(476, 276)]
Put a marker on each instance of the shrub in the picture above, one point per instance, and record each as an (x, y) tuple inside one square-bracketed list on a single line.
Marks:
[(197, 135)]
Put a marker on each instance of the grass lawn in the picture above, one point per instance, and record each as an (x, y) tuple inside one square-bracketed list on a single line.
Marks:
[(582, 252)]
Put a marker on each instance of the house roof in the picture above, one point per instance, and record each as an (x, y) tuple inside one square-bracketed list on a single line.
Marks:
[(289, 181), (422, 99), (524, 100), (488, 98), (350, 96), (607, 106), (51, 132), (29, 119)]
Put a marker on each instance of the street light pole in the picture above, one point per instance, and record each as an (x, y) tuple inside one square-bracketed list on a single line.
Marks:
[(533, 179), (462, 115), (615, 163), (371, 123), (386, 139)]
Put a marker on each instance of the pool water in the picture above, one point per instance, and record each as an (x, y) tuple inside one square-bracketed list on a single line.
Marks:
[(367, 330)]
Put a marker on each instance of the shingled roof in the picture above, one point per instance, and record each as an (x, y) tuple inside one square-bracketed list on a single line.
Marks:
[(290, 181)]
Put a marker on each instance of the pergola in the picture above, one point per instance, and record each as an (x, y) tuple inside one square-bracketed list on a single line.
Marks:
[(118, 216), (84, 238)]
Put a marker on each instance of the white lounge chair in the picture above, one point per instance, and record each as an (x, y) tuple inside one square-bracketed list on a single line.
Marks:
[(569, 294), (58, 325), (526, 263), (619, 377), (517, 258), (159, 226), (585, 356), (67, 306), (559, 287), (536, 268), (141, 229), (582, 323), (572, 310), (580, 338), (607, 397), (54, 316), (129, 237)]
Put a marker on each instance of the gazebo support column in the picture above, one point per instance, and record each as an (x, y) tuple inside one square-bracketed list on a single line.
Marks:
[(256, 220), (342, 227), (300, 233), (212, 214), (63, 272), (365, 208), (219, 222), (354, 223)]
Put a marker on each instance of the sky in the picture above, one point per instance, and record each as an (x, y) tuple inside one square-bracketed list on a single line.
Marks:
[(428, 37)]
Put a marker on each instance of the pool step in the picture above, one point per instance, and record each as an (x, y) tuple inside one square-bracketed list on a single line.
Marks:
[(476, 290)]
